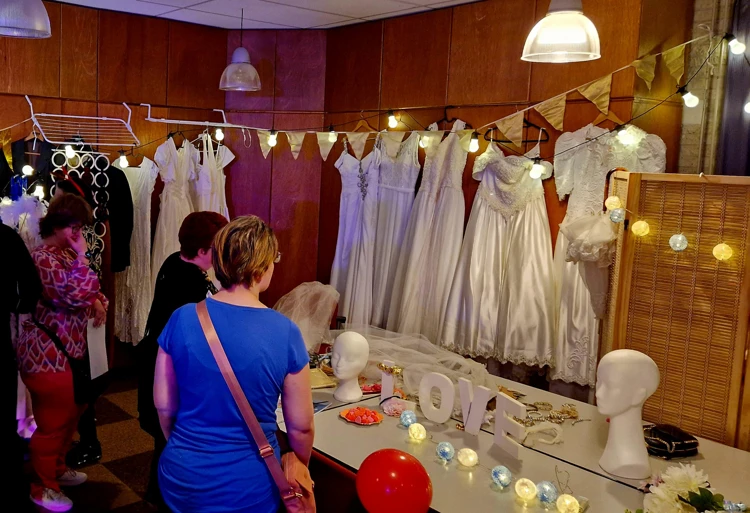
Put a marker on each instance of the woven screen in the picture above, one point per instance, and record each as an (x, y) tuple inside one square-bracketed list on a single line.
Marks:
[(684, 308)]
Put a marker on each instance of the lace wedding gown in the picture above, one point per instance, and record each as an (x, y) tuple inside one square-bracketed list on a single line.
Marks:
[(132, 299), (581, 173), (176, 168), (210, 185), (502, 302), (432, 243), (398, 177), (351, 274)]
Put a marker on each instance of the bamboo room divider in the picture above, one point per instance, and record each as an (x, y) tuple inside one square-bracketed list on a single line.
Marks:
[(687, 310)]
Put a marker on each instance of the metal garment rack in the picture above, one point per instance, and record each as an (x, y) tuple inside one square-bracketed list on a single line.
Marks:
[(207, 124), (89, 130)]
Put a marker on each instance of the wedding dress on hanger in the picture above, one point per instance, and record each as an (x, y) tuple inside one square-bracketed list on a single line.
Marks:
[(432, 242), (211, 182), (502, 302)]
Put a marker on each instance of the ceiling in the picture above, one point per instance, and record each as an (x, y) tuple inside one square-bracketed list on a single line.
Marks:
[(271, 14)]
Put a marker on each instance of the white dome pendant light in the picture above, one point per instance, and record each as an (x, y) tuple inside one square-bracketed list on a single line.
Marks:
[(563, 35), (240, 75), (24, 18)]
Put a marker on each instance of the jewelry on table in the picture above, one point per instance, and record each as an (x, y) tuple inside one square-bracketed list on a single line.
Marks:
[(394, 370)]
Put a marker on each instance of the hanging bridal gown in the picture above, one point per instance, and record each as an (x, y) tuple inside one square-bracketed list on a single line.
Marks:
[(133, 300), (398, 176), (581, 173), (210, 185), (351, 274), (502, 302), (432, 243), (176, 168)]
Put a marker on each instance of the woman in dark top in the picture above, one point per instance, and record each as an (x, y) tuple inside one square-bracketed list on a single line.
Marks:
[(182, 279)]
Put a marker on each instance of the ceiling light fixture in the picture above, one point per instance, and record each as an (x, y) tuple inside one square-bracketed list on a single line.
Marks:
[(240, 75), (24, 18), (565, 34)]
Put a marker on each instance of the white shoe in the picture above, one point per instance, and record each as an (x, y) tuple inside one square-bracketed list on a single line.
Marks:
[(53, 500), (72, 478)]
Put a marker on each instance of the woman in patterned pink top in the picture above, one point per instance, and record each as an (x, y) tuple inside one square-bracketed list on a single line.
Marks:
[(70, 297)]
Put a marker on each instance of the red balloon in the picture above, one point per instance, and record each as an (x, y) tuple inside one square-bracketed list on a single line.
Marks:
[(392, 481)]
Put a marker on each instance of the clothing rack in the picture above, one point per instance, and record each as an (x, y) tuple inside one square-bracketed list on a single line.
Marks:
[(94, 130), (207, 124)]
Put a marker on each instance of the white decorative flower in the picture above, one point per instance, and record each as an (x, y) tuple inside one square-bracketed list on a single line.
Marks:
[(683, 479), (663, 500)]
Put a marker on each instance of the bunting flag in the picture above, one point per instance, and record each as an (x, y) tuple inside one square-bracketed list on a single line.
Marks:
[(553, 110), (5, 142), (392, 142), (325, 144), (464, 138), (646, 69), (512, 127), (295, 142), (263, 140), (357, 140), (430, 140), (674, 58), (598, 92)]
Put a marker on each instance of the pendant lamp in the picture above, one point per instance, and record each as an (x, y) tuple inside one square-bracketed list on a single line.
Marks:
[(24, 18), (563, 35), (240, 75)]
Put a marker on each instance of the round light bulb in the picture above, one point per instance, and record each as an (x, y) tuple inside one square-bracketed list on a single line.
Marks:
[(501, 476), (736, 47), (613, 202), (617, 215), (27, 170), (69, 151), (272, 139), (392, 121), (474, 144), (219, 134), (747, 107), (567, 504), (526, 489), (536, 172), (408, 418), (467, 457), (626, 137), (39, 191), (445, 451), (546, 492), (690, 99), (640, 228), (332, 136), (722, 252), (123, 161), (424, 141), (678, 242), (417, 432)]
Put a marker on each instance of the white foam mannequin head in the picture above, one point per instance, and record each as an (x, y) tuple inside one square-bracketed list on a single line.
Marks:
[(348, 360), (625, 379)]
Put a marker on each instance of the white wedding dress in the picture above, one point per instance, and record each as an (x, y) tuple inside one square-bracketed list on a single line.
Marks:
[(210, 184), (176, 168), (432, 243), (581, 173), (132, 299), (502, 302), (398, 176), (351, 274)]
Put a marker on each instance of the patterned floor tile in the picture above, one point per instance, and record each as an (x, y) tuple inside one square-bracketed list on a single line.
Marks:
[(123, 439), (102, 492), (127, 401), (137, 507), (133, 471), (107, 412)]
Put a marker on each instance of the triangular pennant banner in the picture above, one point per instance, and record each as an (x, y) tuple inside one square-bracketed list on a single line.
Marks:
[(674, 58), (512, 127), (325, 143), (5, 142), (553, 110), (263, 140), (645, 68), (464, 138), (598, 92), (392, 142), (295, 142), (357, 140), (430, 140)]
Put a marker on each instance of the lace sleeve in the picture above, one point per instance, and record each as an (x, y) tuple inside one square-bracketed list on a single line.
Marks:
[(482, 161), (564, 173), (163, 159)]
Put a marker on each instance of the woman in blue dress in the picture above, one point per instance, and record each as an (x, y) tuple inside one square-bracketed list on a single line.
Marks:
[(211, 463)]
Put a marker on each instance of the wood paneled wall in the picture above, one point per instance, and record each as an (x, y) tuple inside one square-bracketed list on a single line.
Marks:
[(469, 56)]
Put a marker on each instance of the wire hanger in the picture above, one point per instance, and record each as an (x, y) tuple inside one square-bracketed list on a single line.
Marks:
[(445, 118), (363, 123), (543, 135)]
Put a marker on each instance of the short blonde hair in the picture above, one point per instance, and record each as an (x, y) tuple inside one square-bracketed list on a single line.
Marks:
[(243, 250)]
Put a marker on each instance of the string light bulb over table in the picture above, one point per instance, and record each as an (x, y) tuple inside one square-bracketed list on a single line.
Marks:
[(640, 228), (526, 490), (722, 252), (417, 432)]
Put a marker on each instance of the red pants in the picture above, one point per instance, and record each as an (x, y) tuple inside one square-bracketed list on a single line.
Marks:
[(56, 415)]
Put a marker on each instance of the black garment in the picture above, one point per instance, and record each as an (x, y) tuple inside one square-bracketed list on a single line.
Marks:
[(177, 284), (42, 164), (20, 289), (120, 208)]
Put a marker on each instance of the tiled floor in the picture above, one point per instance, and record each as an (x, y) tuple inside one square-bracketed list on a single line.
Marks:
[(118, 482)]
